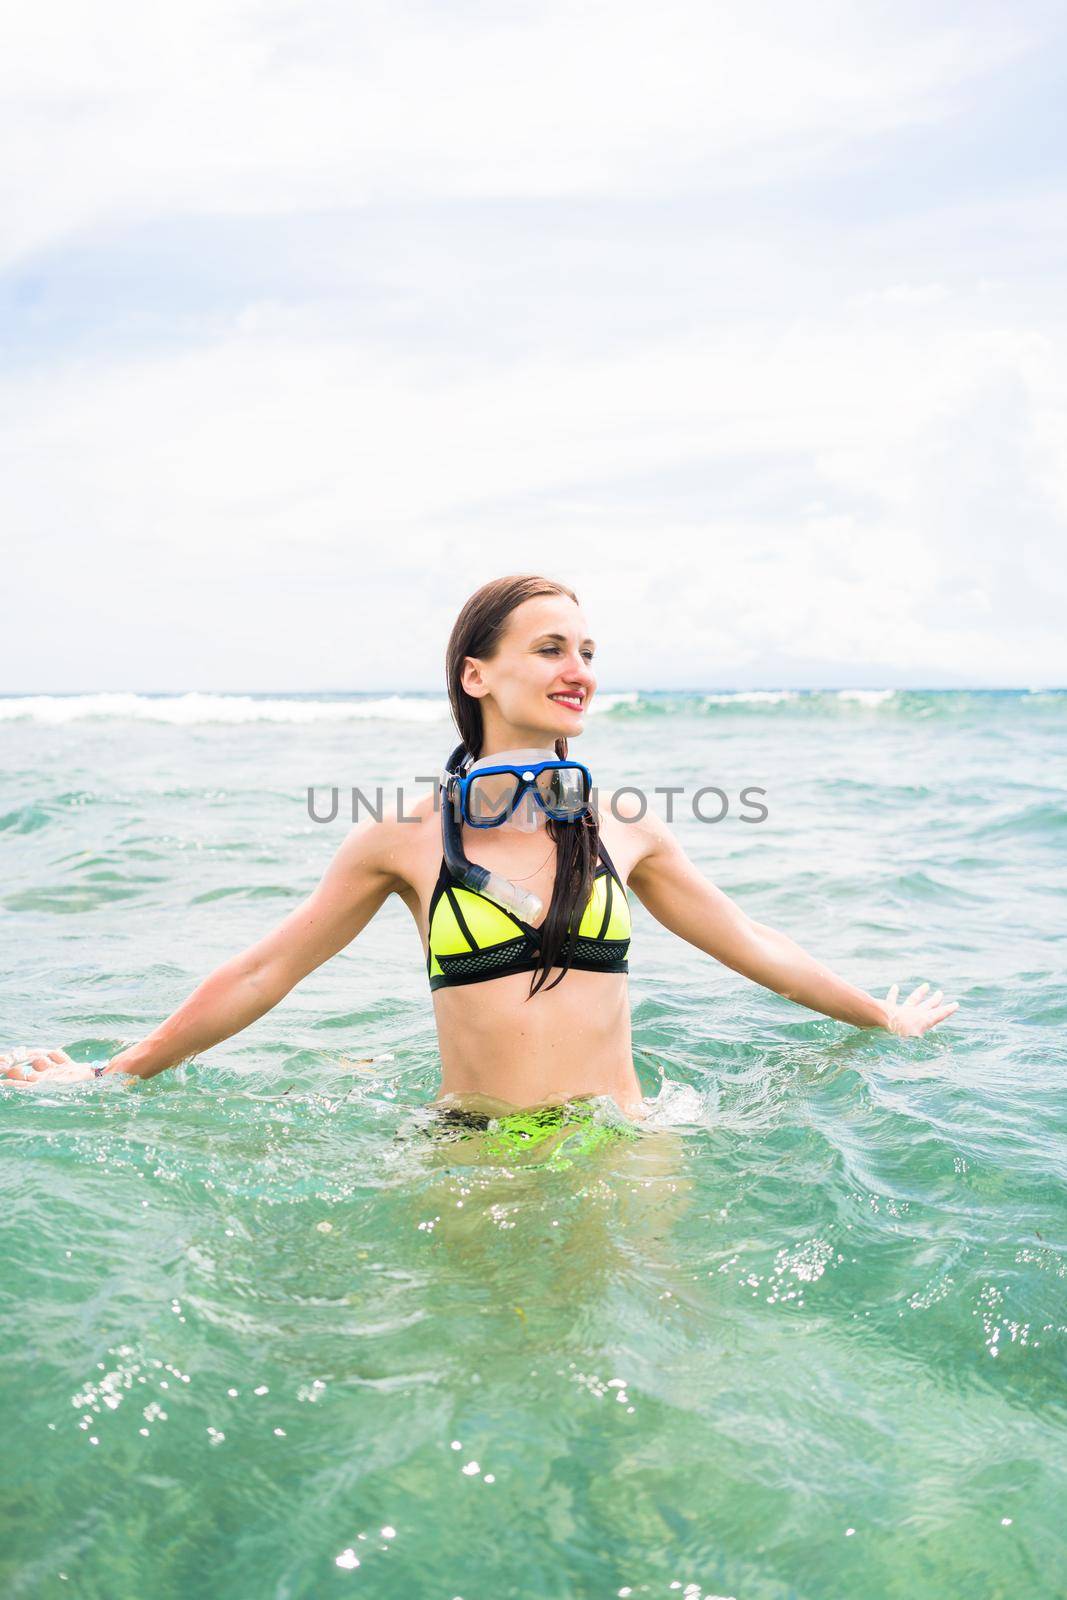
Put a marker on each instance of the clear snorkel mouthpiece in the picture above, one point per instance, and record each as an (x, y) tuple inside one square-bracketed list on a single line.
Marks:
[(526, 906)]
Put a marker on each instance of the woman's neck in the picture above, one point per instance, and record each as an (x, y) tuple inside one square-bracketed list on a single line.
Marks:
[(544, 748)]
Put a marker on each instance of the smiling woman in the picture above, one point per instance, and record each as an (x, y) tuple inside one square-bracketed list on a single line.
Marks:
[(530, 1011)]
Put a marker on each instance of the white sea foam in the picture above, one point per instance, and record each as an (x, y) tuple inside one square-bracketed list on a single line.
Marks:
[(770, 697), (608, 702), (193, 709), (867, 697), (189, 710), (679, 1105)]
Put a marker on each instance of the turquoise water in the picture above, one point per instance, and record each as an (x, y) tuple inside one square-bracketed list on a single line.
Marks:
[(805, 1338)]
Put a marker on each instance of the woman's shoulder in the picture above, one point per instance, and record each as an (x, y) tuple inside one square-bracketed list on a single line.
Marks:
[(412, 826), (623, 832), (399, 842)]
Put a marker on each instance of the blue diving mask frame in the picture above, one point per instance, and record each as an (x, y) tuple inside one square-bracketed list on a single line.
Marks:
[(563, 797), (558, 800)]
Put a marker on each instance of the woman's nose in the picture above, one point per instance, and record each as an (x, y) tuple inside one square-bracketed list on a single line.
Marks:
[(579, 671)]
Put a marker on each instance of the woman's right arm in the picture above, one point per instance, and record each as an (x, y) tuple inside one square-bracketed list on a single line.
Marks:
[(356, 884)]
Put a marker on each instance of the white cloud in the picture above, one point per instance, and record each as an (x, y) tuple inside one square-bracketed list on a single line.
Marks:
[(231, 107), (300, 479), (766, 442)]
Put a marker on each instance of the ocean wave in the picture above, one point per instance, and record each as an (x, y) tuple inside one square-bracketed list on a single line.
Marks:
[(907, 704), (26, 819), (867, 697), (194, 709), (752, 697), (739, 701), (190, 710), (1037, 818), (197, 709), (626, 701)]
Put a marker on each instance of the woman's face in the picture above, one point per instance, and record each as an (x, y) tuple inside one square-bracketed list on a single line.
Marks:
[(538, 685)]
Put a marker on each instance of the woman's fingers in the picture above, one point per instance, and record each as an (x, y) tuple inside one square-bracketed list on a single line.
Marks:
[(35, 1055), (35, 1064), (25, 1076), (934, 1017), (20, 1052), (21, 1072), (919, 1012)]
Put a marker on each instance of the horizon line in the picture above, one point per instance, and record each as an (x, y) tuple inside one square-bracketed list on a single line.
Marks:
[(749, 688)]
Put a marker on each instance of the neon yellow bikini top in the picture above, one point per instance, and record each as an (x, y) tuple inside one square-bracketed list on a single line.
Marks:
[(472, 938)]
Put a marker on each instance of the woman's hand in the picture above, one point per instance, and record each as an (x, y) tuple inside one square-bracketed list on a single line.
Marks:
[(31, 1064), (916, 1014)]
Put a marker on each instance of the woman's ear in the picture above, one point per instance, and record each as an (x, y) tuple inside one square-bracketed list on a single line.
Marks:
[(471, 678)]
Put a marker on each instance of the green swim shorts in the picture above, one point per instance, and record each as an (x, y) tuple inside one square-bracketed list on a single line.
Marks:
[(520, 1132)]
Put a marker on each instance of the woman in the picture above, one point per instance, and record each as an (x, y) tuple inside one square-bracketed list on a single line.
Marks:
[(526, 1016)]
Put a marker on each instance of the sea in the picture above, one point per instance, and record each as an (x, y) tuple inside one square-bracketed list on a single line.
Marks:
[(804, 1339)]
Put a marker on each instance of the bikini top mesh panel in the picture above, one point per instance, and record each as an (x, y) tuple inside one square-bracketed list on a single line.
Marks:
[(473, 939)]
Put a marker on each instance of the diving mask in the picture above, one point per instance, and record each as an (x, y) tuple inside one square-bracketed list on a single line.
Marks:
[(487, 792), (517, 785)]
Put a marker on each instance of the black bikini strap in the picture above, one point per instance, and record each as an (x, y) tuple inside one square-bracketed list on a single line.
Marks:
[(603, 851), (460, 918), (607, 907), (444, 878)]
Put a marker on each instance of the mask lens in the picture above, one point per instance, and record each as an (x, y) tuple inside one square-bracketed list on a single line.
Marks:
[(491, 798), (563, 790)]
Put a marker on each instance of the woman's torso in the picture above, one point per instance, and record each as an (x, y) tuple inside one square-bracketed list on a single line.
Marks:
[(498, 1049)]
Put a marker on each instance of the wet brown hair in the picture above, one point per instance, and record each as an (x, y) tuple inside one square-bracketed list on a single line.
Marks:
[(477, 632)]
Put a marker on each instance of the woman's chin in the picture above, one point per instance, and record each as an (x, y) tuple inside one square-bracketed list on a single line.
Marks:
[(562, 725)]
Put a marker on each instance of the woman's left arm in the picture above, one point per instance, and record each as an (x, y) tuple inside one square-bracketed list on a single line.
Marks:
[(683, 900)]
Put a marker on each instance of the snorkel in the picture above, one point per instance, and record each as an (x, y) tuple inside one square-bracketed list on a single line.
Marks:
[(502, 891)]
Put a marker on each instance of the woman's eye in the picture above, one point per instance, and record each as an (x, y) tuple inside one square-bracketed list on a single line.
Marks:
[(549, 649)]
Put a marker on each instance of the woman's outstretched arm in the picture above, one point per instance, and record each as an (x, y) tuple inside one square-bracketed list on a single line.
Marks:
[(678, 895), (353, 888)]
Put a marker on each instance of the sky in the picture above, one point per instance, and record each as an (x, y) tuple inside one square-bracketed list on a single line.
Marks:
[(746, 322)]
